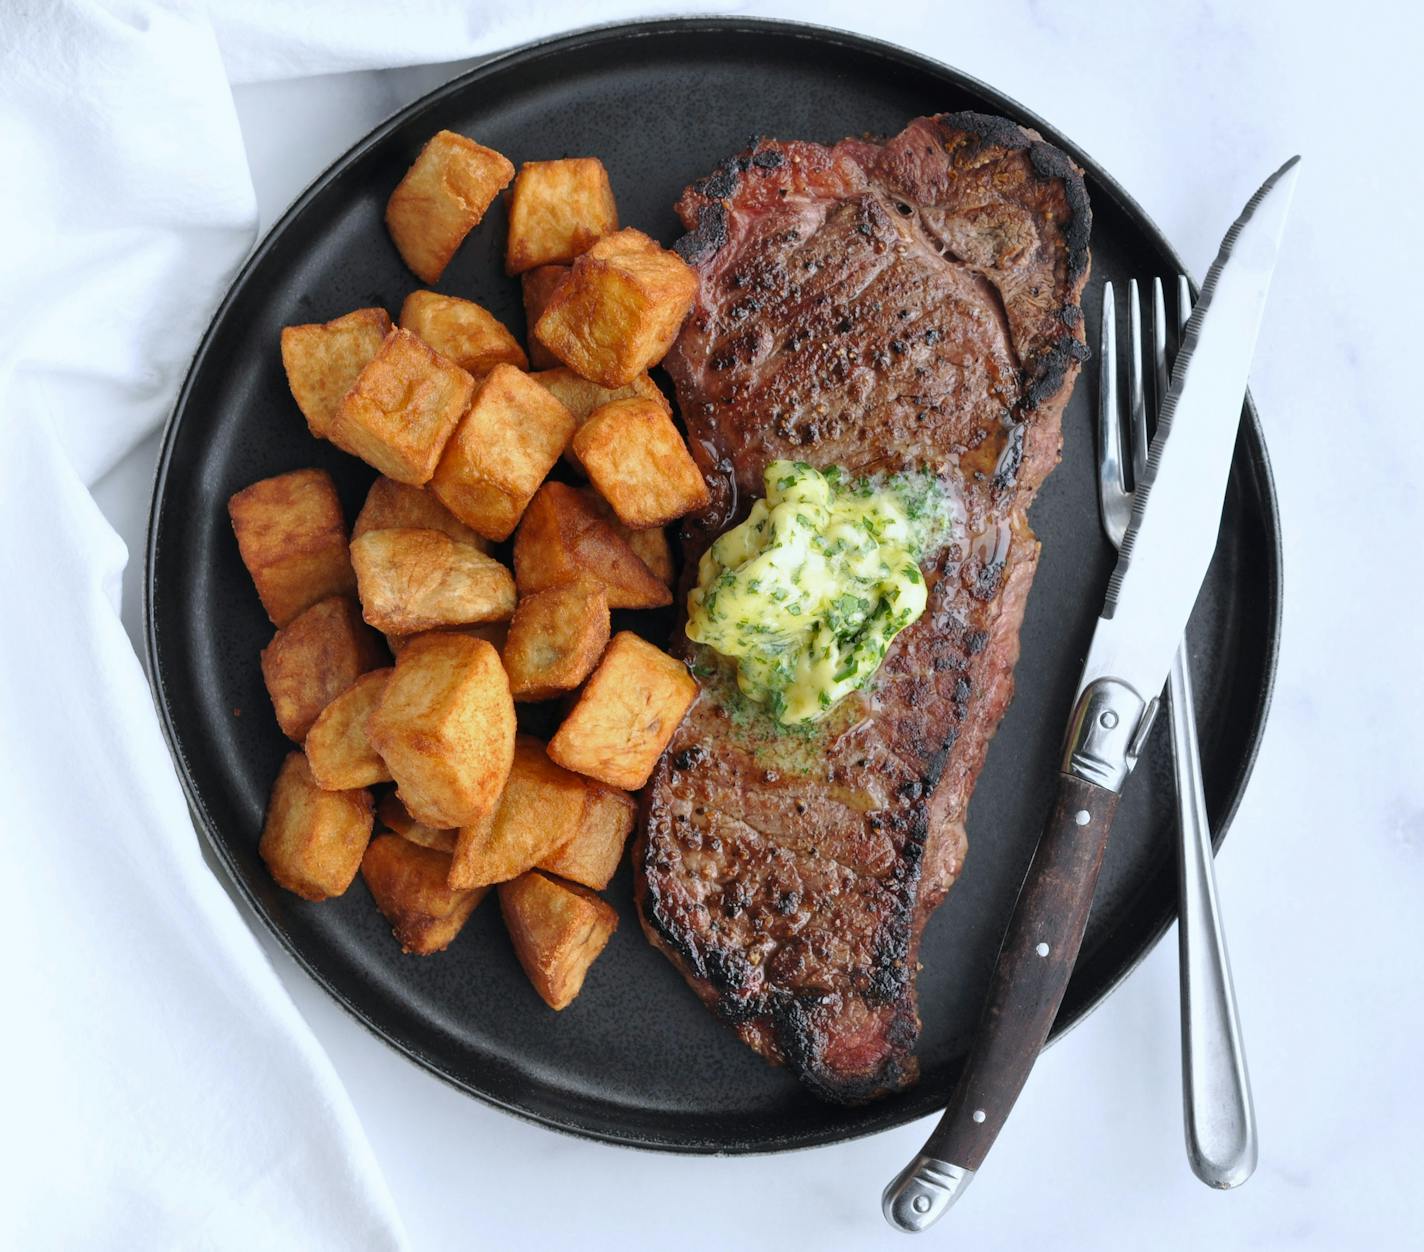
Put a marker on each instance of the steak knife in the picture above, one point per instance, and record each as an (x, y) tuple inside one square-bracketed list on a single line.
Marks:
[(1164, 557)]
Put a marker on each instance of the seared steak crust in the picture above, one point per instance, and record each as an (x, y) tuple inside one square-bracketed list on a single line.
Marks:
[(879, 307)]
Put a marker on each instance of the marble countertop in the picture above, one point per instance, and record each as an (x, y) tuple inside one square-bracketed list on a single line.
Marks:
[(1188, 106)]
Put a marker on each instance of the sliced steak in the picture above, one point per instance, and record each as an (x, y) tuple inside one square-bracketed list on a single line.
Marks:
[(878, 307)]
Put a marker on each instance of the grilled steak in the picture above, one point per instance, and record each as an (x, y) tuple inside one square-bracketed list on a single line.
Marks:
[(878, 307)]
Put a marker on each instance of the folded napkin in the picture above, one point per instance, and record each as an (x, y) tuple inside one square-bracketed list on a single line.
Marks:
[(160, 1088)]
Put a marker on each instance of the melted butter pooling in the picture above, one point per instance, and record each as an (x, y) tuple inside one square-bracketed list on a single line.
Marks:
[(808, 593)]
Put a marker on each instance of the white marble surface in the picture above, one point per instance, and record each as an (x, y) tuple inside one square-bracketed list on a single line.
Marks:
[(1188, 105)]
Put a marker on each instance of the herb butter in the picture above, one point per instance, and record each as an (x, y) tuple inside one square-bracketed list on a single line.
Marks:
[(808, 593)]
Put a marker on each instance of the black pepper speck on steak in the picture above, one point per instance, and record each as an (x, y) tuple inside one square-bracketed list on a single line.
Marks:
[(880, 307)]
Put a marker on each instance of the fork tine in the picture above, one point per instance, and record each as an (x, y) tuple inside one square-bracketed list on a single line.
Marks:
[(1184, 302), (1112, 489), (1159, 348), (1136, 399)]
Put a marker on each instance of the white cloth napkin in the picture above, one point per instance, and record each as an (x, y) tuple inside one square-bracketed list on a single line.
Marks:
[(159, 1087)]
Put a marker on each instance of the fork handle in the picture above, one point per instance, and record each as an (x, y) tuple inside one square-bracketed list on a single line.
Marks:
[(1216, 1089)]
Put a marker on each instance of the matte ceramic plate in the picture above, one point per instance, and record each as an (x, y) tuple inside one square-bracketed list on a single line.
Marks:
[(636, 1059)]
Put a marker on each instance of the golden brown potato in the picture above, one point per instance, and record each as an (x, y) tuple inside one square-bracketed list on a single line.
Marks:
[(340, 755), (501, 452), (582, 397), (619, 310), (493, 633), (312, 840), (407, 882), (540, 809), (537, 286), (402, 409), (556, 210), (558, 931), (591, 857), (416, 580), (649, 546), (322, 360), (445, 728), (393, 815), (292, 537), (555, 639), (441, 199), (313, 659), (398, 506), (562, 536), (626, 714), (636, 458), (461, 331)]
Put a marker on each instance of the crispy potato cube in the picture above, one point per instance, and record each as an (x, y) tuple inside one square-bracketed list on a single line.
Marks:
[(619, 310), (649, 546), (555, 639), (626, 714), (445, 728), (340, 755), (636, 458), (582, 398), (322, 360), (558, 930), (408, 883), (501, 452), (403, 408), (540, 809), (393, 815), (312, 840), (556, 210), (398, 506), (441, 199), (537, 285), (493, 633), (292, 537), (313, 659), (591, 857), (461, 331), (416, 580), (562, 536)]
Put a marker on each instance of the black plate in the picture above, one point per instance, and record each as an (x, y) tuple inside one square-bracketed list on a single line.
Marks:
[(636, 1059)]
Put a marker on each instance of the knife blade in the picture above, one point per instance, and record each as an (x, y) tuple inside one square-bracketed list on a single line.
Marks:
[(1164, 558)]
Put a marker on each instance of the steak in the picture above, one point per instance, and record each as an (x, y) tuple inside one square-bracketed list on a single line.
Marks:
[(881, 307)]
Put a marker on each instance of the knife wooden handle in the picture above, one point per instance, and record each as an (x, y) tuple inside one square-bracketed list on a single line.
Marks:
[(1039, 950)]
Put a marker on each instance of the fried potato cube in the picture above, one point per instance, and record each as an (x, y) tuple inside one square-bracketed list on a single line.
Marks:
[(403, 408), (441, 199), (322, 360), (555, 639), (537, 285), (649, 546), (312, 840), (393, 815), (461, 331), (416, 580), (582, 398), (558, 930), (340, 755), (398, 506), (445, 728), (493, 633), (591, 857), (540, 809), (636, 458), (556, 210), (292, 536), (500, 453), (313, 659), (408, 883), (562, 536), (626, 714), (619, 310)]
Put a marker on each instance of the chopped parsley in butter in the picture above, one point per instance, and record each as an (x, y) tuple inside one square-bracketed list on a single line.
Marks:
[(808, 593)]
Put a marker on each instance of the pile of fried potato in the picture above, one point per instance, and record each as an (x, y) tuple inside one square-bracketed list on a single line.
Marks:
[(464, 437)]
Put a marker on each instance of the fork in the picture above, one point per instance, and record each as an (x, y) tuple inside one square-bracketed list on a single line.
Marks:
[(1216, 1090)]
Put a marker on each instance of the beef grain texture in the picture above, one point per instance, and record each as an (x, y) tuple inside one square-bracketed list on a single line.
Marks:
[(880, 307)]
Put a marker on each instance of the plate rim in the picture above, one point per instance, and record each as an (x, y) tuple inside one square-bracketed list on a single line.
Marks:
[(1257, 456)]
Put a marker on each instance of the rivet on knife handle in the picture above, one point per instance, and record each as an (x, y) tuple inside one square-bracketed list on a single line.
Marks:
[(1039, 950)]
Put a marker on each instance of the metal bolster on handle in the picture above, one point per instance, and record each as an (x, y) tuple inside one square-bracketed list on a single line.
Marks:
[(1106, 733), (919, 1194)]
